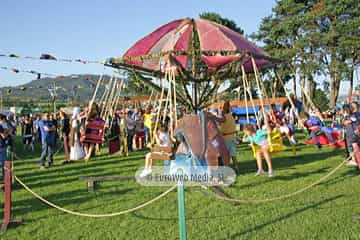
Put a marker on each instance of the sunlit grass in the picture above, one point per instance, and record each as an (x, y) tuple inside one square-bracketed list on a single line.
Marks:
[(323, 212)]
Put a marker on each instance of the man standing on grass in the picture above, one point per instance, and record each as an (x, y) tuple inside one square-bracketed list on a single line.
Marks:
[(47, 129), (4, 142)]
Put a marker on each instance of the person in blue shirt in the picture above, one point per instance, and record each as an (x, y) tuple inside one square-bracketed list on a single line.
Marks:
[(48, 137), (314, 125), (259, 138), (4, 142)]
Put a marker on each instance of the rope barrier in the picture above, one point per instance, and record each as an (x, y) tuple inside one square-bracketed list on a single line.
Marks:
[(94, 215), (257, 201)]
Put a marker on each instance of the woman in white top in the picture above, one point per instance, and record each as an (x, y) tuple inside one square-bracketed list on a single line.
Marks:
[(76, 150), (162, 140)]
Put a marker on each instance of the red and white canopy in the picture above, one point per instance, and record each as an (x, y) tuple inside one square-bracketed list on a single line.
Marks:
[(175, 37)]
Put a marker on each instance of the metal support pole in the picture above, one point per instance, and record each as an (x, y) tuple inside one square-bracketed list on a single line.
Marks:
[(181, 209), (195, 97)]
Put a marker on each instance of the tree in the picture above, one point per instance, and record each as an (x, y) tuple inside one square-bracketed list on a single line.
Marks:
[(321, 100), (215, 17), (286, 36), (315, 37), (338, 26)]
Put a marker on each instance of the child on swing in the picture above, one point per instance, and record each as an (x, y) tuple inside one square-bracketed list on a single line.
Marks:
[(163, 139), (259, 138)]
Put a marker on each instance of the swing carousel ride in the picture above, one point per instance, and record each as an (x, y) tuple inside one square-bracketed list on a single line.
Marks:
[(190, 61), (204, 55)]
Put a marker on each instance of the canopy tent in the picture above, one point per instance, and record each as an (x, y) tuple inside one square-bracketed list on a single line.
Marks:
[(202, 51)]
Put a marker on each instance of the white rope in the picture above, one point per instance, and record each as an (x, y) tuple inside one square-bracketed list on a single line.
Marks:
[(95, 92), (250, 95), (159, 108), (94, 215)]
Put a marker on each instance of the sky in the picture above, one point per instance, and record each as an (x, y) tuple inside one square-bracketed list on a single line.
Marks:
[(97, 30)]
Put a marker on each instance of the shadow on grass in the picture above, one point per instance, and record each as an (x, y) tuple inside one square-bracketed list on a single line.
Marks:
[(79, 166), (175, 218), (46, 181), (62, 199), (284, 217), (349, 173), (86, 170), (278, 177), (285, 162)]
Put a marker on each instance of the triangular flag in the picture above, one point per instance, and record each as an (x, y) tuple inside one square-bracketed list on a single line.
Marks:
[(46, 56), (13, 55)]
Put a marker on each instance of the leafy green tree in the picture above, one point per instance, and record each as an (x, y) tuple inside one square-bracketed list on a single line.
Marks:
[(339, 41), (215, 17), (321, 100), (314, 37)]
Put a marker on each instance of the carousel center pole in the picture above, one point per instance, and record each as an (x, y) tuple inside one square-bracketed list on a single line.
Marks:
[(181, 209)]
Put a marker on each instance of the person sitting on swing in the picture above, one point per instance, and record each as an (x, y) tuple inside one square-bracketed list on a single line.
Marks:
[(314, 125), (162, 150), (89, 144), (277, 119), (259, 137)]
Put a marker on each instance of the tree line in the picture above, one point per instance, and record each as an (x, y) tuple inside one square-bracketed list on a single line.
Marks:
[(313, 39)]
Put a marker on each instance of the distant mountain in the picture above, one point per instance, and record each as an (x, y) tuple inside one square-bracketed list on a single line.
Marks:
[(67, 87), (78, 87)]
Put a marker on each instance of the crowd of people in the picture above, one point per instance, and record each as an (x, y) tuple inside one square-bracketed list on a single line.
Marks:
[(133, 129)]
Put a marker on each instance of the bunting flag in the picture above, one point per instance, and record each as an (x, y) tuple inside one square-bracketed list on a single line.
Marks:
[(15, 70), (47, 56), (38, 74)]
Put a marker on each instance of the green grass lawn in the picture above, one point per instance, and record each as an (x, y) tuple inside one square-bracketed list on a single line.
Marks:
[(323, 212)]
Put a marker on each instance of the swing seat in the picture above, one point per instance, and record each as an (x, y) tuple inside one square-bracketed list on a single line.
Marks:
[(114, 145), (307, 133), (276, 144), (94, 132), (184, 164), (323, 140), (162, 153)]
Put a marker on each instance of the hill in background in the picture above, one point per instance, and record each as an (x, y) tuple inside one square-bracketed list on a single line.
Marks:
[(79, 87)]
